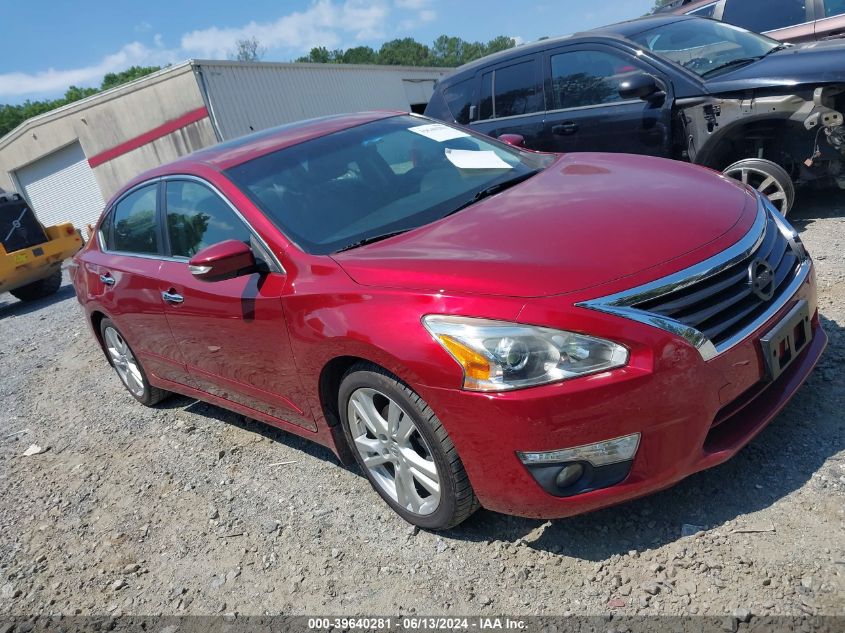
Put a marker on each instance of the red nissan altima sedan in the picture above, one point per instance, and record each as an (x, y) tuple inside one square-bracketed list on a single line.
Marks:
[(472, 323)]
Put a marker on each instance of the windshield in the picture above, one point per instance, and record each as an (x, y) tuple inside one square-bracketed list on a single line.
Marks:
[(377, 179), (706, 47)]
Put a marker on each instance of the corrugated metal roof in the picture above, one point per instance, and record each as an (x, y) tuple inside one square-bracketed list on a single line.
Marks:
[(247, 97)]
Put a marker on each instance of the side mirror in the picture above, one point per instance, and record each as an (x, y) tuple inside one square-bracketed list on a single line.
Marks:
[(224, 260), (640, 86), (517, 140)]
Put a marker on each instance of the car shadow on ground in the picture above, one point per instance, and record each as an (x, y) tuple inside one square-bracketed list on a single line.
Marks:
[(781, 460), (10, 306), (272, 433), (812, 205)]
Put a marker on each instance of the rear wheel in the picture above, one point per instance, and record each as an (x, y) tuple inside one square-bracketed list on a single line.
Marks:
[(128, 367), (403, 449), (39, 289), (769, 178)]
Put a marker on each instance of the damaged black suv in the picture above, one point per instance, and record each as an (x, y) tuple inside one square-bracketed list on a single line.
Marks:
[(681, 87)]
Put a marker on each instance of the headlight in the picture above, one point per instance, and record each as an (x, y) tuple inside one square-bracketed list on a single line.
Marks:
[(498, 356)]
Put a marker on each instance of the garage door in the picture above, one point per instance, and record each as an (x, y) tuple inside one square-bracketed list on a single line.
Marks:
[(61, 188)]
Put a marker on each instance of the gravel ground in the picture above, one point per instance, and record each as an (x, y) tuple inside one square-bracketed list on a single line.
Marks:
[(189, 509)]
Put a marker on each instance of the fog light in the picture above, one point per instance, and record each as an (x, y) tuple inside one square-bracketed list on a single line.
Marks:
[(620, 449), (568, 475)]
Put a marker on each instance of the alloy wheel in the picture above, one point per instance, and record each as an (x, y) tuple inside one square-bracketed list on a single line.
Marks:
[(394, 452), (763, 182), (124, 362)]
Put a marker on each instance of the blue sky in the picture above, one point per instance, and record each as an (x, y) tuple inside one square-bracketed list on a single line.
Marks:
[(49, 45)]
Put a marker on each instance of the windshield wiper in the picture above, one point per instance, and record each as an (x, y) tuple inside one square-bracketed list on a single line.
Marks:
[(742, 61), (779, 47), (494, 189), (370, 240)]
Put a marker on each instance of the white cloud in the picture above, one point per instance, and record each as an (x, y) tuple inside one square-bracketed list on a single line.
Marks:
[(143, 27), (329, 23), (52, 81), (324, 23)]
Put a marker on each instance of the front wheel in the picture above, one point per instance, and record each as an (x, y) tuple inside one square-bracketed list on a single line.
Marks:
[(769, 178), (403, 449)]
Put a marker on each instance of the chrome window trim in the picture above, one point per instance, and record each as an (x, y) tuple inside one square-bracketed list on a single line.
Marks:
[(620, 304), (215, 190), (597, 105)]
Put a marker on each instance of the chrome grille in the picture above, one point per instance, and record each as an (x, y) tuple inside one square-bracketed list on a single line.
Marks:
[(716, 304), (725, 303)]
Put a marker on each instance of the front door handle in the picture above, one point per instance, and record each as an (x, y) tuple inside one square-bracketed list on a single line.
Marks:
[(107, 279), (172, 297), (565, 129)]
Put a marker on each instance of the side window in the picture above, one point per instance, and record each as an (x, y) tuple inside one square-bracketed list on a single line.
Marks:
[(777, 14), (459, 100), (517, 91), (585, 78), (833, 7), (510, 91), (706, 11), (197, 217), (136, 224)]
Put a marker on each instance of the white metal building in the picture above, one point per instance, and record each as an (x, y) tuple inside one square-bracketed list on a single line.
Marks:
[(67, 162)]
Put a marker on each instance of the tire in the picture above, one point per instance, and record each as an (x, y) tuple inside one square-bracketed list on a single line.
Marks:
[(768, 178), (416, 446), (41, 288), (128, 367)]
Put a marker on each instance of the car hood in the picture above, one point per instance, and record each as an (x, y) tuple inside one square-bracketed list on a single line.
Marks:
[(586, 220), (813, 63)]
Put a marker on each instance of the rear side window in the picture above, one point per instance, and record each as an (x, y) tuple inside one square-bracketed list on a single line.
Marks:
[(197, 217), (587, 78), (511, 91), (459, 99), (135, 223), (833, 7), (774, 14)]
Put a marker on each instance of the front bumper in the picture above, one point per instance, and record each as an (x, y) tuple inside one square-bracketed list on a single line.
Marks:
[(691, 415)]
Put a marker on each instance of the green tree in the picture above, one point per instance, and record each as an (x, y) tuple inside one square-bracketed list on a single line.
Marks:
[(658, 4), (404, 52), (359, 55), (130, 74)]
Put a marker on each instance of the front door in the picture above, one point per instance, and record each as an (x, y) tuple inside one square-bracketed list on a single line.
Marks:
[(585, 112), (232, 333)]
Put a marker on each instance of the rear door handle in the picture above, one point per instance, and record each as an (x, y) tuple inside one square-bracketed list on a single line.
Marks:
[(107, 279), (172, 297), (565, 129)]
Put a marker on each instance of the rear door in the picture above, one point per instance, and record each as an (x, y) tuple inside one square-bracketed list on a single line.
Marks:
[(123, 276), (830, 19), (511, 101), (232, 334), (585, 112)]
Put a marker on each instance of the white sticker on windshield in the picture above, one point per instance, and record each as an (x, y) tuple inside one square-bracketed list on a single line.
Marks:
[(467, 159), (437, 132)]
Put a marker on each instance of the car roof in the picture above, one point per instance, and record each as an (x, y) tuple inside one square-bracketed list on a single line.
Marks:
[(619, 31)]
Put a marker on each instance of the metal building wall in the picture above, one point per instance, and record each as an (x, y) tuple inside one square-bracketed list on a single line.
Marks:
[(247, 97)]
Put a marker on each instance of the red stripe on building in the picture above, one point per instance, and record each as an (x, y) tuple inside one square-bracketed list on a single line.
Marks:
[(148, 137)]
